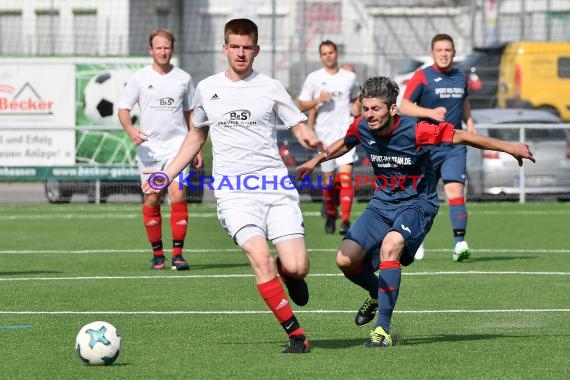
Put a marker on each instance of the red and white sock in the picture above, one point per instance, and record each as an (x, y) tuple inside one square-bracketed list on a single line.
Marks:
[(178, 226), (153, 225)]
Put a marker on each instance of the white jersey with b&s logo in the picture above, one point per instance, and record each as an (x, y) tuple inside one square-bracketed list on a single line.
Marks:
[(243, 117), (162, 100)]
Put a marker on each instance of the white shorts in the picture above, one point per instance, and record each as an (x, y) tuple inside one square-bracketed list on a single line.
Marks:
[(159, 166), (277, 215), (347, 158)]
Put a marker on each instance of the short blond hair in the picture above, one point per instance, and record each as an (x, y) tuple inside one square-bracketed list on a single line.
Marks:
[(163, 33)]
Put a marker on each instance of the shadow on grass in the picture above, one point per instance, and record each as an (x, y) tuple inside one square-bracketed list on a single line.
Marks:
[(332, 344), (217, 265), (453, 338), (28, 272), (480, 259)]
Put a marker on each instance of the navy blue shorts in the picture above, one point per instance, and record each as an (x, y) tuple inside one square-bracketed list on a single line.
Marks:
[(450, 163), (412, 222)]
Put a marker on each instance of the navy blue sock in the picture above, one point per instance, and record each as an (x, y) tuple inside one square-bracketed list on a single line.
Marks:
[(458, 216), (388, 289), (364, 277)]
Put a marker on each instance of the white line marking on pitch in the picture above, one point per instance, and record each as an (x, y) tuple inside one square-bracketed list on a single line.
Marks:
[(91, 216), (230, 312), (208, 250), (215, 276), (120, 214)]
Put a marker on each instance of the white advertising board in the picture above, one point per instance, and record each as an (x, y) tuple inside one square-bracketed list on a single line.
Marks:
[(41, 147), (37, 113), (37, 94)]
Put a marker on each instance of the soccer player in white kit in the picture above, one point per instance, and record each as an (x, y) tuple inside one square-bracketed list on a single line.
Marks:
[(332, 89), (256, 200), (164, 94)]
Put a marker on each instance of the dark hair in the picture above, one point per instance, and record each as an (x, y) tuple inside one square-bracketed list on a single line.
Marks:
[(241, 27), (442, 37), (327, 43), (380, 87), (163, 33)]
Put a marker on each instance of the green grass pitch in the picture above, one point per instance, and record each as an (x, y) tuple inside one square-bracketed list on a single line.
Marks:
[(503, 314)]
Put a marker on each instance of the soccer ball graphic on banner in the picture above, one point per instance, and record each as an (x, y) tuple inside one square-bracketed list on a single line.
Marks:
[(98, 343), (102, 94)]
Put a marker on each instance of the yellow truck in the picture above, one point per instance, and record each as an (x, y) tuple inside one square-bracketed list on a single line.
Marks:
[(536, 74)]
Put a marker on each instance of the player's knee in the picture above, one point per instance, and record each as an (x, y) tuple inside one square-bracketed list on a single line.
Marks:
[(295, 269), (393, 244), (391, 251), (152, 200), (349, 256), (300, 272), (344, 262)]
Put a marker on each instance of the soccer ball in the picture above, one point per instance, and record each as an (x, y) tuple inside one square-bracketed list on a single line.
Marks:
[(101, 95), (98, 343)]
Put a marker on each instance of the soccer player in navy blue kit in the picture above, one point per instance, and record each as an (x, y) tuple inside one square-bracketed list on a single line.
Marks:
[(439, 93), (405, 202)]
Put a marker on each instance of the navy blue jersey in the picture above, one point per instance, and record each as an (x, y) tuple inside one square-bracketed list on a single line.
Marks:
[(432, 88), (402, 166)]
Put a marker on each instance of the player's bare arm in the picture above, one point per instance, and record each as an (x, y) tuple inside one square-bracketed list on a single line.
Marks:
[(189, 149), (409, 108), (135, 134), (324, 97), (199, 159), (467, 118), (518, 151), (336, 149), (307, 137)]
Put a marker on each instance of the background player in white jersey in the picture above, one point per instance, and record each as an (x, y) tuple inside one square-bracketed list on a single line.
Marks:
[(164, 94), (354, 107), (331, 90), (240, 107)]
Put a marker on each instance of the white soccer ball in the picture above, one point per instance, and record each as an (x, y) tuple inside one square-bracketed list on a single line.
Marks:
[(98, 343), (102, 94)]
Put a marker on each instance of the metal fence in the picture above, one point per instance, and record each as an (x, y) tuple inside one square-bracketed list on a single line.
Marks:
[(491, 176)]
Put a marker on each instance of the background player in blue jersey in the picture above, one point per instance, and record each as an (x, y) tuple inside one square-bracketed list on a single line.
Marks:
[(439, 93), (404, 204)]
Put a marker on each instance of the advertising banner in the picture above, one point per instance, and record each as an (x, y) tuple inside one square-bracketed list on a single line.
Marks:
[(99, 84), (70, 173), (37, 147), (37, 114), (37, 95)]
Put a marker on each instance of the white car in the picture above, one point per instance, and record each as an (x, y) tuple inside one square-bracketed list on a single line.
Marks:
[(410, 67), (497, 174)]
